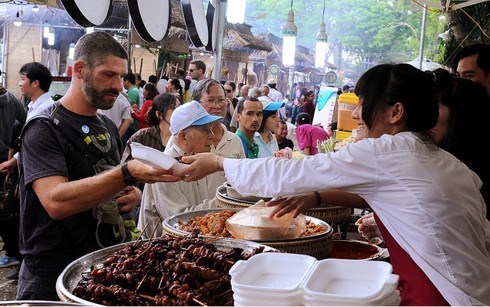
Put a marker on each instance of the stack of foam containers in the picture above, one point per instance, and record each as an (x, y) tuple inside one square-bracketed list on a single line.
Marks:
[(293, 279), (271, 279)]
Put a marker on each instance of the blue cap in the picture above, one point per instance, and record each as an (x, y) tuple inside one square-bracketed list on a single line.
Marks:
[(269, 105)]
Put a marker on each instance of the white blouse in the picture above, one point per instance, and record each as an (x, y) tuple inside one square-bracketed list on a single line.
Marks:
[(428, 200)]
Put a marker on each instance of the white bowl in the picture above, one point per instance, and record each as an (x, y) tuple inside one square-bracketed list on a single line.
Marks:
[(153, 157)]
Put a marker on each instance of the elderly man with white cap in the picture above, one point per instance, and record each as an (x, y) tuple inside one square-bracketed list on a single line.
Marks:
[(192, 129), (264, 137)]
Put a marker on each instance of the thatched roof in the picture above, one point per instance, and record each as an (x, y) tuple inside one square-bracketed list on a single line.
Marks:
[(239, 37)]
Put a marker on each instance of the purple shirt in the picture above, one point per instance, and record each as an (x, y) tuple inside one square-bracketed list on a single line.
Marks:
[(308, 135)]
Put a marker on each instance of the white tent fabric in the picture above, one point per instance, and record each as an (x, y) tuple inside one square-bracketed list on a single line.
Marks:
[(427, 65)]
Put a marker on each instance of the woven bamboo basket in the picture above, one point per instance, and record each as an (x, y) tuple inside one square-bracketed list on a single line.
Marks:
[(332, 215), (319, 246)]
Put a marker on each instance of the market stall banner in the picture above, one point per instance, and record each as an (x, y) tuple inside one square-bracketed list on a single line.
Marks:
[(152, 18), (327, 97)]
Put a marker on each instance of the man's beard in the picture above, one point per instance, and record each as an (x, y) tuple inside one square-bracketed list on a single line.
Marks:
[(97, 98)]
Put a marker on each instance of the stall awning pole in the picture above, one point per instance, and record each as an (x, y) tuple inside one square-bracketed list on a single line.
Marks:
[(218, 53), (130, 39), (422, 36)]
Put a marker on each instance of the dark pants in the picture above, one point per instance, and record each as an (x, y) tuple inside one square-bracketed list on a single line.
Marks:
[(296, 111), (34, 287), (9, 219), (289, 111)]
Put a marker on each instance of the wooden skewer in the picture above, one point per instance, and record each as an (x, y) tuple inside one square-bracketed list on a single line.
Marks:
[(140, 283), (155, 230), (151, 298), (143, 252), (198, 301), (161, 281), (227, 291), (139, 238)]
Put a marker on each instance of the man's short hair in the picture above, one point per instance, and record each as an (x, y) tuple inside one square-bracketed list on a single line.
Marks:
[(199, 65), (130, 77), (232, 84), (180, 74), (203, 87), (37, 71), (241, 103), (94, 47), (153, 79), (483, 60)]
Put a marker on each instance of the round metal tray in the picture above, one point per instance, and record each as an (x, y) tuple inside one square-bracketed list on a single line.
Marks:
[(223, 192), (172, 223), (37, 303), (72, 274)]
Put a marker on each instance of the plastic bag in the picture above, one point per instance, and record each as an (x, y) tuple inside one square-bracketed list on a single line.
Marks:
[(112, 226), (253, 223)]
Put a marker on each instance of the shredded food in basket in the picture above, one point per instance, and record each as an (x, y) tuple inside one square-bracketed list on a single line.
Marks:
[(214, 224)]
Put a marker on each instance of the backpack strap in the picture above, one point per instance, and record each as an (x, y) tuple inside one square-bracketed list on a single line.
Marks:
[(105, 211)]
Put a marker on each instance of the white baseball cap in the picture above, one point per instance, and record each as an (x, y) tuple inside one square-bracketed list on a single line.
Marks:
[(190, 114), (269, 105)]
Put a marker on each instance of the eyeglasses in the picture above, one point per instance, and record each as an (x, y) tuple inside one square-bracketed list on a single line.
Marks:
[(218, 101), (191, 70), (205, 129), (229, 91)]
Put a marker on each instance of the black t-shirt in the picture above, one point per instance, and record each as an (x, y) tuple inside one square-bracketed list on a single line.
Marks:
[(286, 143), (48, 246)]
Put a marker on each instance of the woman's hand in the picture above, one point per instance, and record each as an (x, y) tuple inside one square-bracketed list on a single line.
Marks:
[(368, 228), (296, 204), (200, 165)]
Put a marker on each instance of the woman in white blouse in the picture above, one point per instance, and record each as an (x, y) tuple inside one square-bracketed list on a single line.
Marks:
[(426, 202)]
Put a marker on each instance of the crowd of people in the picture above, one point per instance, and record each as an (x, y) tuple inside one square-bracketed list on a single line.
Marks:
[(75, 186)]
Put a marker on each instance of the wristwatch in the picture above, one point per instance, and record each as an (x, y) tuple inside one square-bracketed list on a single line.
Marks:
[(128, 178)]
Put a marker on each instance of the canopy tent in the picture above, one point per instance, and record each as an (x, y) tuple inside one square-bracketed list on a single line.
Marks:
[(427, 64)]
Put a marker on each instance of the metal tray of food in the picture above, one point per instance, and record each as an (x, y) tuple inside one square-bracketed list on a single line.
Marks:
[(72, 274), (173, 223)]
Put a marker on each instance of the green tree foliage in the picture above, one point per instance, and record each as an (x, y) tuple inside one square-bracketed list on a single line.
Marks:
[(367, 31), (467, 25)]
